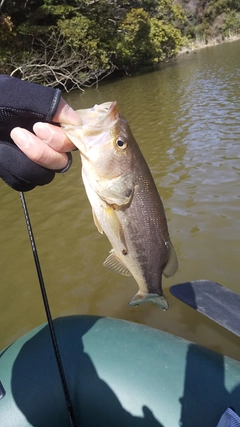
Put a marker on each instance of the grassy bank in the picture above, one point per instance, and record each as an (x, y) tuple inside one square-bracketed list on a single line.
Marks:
[(203, 42)]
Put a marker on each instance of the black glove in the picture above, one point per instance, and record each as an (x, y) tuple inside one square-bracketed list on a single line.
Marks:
[(23, 104)]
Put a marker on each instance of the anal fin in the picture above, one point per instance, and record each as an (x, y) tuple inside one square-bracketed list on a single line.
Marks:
[(115, 264)]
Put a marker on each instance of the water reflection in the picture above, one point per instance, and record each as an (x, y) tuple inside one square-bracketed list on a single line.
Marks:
[(185, 117)]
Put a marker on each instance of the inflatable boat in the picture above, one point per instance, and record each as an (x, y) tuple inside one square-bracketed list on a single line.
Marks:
[(89, 371), (119, 374)]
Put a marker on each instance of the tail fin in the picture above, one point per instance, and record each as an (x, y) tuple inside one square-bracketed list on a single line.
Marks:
[(140, 298)]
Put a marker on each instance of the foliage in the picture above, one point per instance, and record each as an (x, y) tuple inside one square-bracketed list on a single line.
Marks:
[(232, 24), (134, 47), (211, 18), (54, 63), (99, 36), (216, 8), (145, 40), (167, 40), (86, 36), (104, 34)]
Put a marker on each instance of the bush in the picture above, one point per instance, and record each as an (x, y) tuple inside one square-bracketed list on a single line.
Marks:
[(106, 34)]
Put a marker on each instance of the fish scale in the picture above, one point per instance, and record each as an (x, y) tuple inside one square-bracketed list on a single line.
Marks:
[(126, 205)]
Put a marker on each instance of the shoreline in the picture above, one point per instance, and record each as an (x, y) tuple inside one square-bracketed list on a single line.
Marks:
[(192, 47), (203, 43)]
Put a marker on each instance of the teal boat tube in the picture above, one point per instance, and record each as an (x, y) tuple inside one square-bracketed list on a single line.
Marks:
[(119, 374)]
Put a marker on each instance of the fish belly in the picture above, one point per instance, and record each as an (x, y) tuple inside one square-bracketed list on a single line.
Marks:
[(134, 237)]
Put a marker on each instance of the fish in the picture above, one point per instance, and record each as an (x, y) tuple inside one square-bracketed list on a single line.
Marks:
[(125, 202)]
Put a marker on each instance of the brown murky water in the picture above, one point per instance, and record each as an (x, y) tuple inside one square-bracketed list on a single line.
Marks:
[(186, 118)]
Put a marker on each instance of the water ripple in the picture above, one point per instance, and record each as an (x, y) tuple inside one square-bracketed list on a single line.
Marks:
[(185, 118)]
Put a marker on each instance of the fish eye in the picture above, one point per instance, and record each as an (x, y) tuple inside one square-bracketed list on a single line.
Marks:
[(121, 144)]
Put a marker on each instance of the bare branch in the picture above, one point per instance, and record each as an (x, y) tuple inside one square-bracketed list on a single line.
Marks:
[(1, 5), (58, 65)]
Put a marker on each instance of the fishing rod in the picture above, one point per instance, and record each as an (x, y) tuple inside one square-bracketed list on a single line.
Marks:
[(49, 316)]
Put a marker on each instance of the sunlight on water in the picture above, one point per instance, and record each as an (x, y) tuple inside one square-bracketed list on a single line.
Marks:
[(185, 118)]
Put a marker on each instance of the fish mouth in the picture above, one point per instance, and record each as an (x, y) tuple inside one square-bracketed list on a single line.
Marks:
[(99, 116), (97, 125), (96, 121)]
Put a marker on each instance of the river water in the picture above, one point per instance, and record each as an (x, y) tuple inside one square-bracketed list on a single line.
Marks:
[(186, 119)]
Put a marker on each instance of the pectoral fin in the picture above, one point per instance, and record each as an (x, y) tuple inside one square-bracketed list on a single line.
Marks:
[(115, 264), (172, 264), (117, 191), (96, 222), (115, 224)]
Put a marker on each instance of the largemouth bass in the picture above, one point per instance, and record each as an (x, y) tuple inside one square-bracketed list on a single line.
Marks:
[(125, 202)]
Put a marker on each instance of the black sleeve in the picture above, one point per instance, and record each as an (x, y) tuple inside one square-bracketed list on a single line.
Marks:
[(23, 104)]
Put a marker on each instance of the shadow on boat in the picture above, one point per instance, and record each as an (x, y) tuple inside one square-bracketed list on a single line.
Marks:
[(94, 401), (119, 374), (205, 395)]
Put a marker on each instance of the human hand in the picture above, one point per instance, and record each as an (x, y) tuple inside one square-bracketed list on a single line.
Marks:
[(49, 145), (28, 160)]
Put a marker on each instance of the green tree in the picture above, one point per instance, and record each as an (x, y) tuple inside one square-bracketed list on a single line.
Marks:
[(166, 40), (107, 34), (133, 46)]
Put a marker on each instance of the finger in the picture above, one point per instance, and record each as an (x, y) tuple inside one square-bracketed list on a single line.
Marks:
[(37, 150), (65, 114), (53, 136)]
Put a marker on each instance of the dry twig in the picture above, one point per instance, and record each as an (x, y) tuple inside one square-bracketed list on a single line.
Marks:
[(56, 64)]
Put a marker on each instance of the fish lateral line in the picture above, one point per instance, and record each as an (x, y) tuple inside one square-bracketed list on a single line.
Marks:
[(123, 194)]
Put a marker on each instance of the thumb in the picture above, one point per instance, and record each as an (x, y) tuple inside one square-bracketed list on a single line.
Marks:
[(65, 114)]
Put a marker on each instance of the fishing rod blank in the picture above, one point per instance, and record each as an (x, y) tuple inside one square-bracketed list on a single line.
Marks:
[(2, 391), (49, 316)]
